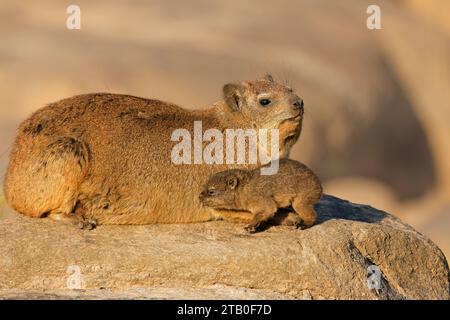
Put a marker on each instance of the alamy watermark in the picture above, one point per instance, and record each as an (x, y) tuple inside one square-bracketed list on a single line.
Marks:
[(374, 18), (233, 146), (73, 281), (73, 21), (374, 278)]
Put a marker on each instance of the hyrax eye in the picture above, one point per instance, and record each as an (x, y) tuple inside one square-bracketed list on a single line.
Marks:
[(264, 102), (211, 192)]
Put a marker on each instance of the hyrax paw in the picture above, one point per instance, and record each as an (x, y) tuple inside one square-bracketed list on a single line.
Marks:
[(298, 224), (251, 228), (295, 222), (87, 224)]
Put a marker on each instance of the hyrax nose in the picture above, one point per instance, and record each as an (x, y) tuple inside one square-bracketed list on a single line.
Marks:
[(298, 104)]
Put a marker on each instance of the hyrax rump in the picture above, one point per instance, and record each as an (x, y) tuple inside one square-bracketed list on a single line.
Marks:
[(262, 195), (107, 157)]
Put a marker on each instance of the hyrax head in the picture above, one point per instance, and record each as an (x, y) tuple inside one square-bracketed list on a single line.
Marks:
[(220, 190), (266, 104)]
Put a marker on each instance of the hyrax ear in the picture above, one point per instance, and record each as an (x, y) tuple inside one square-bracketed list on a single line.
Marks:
[(269, 77), (232, 182), (233, 95)]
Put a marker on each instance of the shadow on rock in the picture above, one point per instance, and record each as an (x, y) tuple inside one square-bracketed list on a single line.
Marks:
[(330, 207)]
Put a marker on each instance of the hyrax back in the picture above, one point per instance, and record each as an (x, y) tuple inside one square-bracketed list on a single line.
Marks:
[(293, 185), (107, 157)]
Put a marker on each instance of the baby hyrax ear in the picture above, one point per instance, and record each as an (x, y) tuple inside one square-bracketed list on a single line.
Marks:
[(232, 182), (233, 95)]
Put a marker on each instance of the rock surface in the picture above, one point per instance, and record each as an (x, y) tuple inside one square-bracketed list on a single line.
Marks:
[(217, 260)]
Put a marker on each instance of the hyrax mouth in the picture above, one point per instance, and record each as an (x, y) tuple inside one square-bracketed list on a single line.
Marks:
[(290, 138), (289, 129), (292, 121)]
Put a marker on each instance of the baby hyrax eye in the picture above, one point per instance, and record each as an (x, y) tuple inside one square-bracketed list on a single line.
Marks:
[(264, 102), (212, 192)]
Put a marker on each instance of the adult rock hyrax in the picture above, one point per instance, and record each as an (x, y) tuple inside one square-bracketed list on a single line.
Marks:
[(262, 195), (107, 157)]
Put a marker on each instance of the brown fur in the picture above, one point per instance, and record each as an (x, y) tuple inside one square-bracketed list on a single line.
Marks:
[(107, 157), (262, 195)]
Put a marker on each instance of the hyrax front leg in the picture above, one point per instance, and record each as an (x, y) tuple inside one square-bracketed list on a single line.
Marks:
[(305, 209), (235, 215), (263, 211)]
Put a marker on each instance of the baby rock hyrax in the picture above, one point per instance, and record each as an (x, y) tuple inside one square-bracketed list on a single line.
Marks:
[(262, 195)]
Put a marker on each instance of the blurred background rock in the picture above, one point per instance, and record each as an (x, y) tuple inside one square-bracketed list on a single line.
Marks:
[(377, 127)]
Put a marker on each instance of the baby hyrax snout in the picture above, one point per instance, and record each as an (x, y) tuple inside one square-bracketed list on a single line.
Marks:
[(262, 195)]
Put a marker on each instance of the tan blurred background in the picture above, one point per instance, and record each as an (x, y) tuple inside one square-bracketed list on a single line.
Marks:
[(377, 126)]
